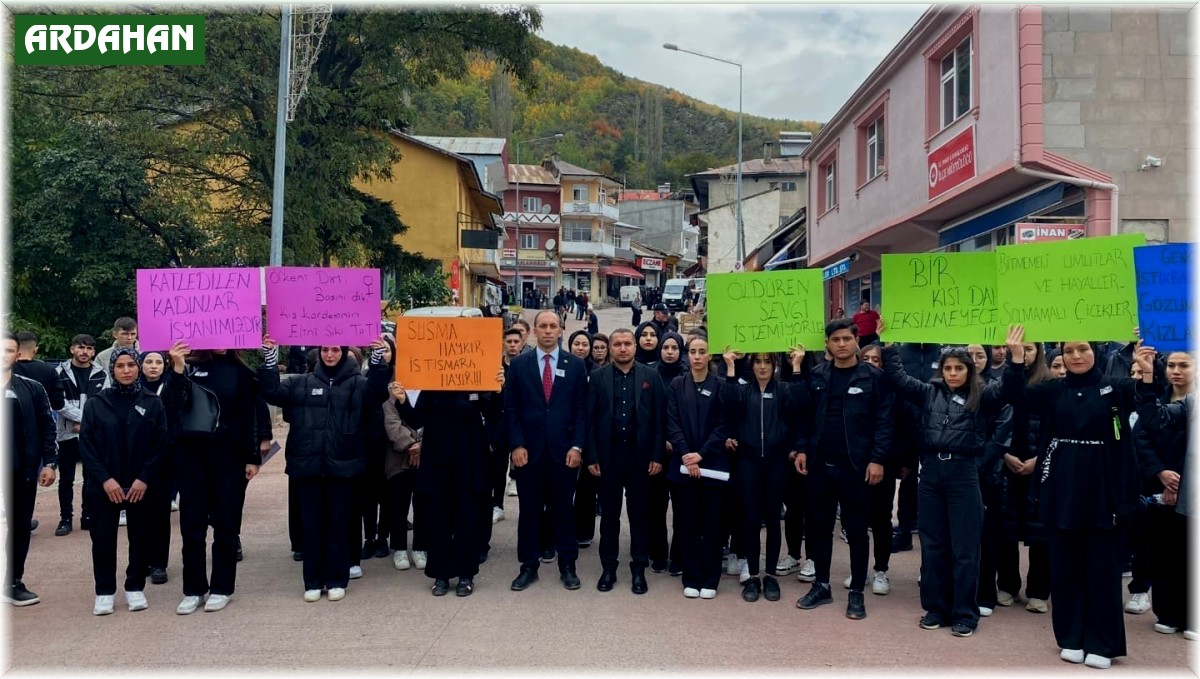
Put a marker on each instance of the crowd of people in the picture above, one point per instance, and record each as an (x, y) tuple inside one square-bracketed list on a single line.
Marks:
[(1076, 451)]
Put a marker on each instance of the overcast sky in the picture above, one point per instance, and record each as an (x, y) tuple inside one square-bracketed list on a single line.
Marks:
[(801, 61)]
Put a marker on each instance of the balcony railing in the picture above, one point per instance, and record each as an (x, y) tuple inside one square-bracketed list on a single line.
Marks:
[(588, 249), (532, 218), (606, 210)]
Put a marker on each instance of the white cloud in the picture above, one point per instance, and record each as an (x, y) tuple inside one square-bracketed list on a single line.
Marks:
[(800, 61)]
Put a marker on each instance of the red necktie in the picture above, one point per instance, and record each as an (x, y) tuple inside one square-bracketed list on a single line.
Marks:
[(547, 379)]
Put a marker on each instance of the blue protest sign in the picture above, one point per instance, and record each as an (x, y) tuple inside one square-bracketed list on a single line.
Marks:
[(1164, 295)]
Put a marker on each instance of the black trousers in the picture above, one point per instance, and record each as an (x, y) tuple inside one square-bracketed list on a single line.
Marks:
[(698, 510), (1008, 570), (906, 503), (1139, 540), (985, 595), (661, 495), (797, 520), (68, 464), (830, 486), (106, 516), (950, 523), (18, 507), (402, 488), (324, 518), (295, 535), (157, 508), (879, 518), (1085, 580), (586, 493), (731, 521), (454, 528), (375, 512), (212, 490), (546, 484), (499, 477), (630, 482), (1170, 542), (354, 520), (761, 482)]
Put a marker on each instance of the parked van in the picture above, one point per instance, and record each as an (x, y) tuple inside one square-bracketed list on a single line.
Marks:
[(675, 293), (630, 294)]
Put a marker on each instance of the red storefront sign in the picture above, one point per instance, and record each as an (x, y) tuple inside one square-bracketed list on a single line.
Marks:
[(650, 263), (456, 280), (952, 163), (1032, 232)]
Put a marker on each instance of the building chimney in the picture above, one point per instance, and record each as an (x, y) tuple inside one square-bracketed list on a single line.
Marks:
[(767, 151)]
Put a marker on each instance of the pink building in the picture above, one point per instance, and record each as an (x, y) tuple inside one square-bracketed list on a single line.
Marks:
[(946, 146)]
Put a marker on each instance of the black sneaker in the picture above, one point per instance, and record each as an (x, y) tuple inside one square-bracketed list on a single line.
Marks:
[(819, 595), (770, 588), (750, 590), (962, 629), (381, 549), (856, 609), (297, 556), (441, 587), (930, 621), (19, 595), (33, 525), (368, 550), (901, 542), (465, 587), (64, 528), (85, 523), (548, 556), (158, 576), (658, 566)]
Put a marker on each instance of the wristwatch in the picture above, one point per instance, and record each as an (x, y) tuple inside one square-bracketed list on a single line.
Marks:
[(51, 465)]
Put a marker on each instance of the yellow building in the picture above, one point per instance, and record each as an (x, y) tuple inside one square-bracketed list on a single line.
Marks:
[(438, 195)]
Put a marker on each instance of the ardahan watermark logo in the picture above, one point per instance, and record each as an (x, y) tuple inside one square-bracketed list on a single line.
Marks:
[(109, 40)]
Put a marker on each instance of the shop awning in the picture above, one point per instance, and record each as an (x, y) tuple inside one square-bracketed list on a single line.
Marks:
[(622, 272), (532, 273), (579, 265), (1008, 213), (485, 269)]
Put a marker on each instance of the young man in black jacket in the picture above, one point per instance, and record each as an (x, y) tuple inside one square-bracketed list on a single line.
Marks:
[(82, 378), (42, 372), (920, 361), (30, 446), (849, 434)]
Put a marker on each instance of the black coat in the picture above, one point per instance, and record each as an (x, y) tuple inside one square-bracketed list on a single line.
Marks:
[(124, 451), (650, 408), (328, 412), (868, 415), (37, 445), (44, 374), (455, 442), (242, 417), (696, 424), (763, 422)]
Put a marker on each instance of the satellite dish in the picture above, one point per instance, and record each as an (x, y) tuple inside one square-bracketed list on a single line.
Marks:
[(545, 209), (550, 244)]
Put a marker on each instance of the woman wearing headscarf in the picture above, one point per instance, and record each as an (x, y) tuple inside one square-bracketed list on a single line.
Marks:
[(664, 555), (325, 452), (580, 345), (1087, 484), (646, 337), (123, 435)]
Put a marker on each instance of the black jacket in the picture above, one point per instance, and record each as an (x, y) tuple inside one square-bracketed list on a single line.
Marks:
[(868, 415), (696, 424), (125, 451), (763, 422), (455, 442), (37, 445), (650, 407), (75, 395), (44, 374), (1160, 442), (328, 412), (243, 419)]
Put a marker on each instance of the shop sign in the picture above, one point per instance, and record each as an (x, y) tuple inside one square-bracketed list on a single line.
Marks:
[(650, 263), (952, 163), (1034, 232)]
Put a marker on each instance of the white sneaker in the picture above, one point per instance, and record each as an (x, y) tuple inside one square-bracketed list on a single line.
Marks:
[(136, 601), (1191, 635), (355, 572), (400, 560), (337, 593), (104, 604), (880, 584), (1165, 629), (512, 488), (188, 605), (497, 514), (174, 505), (691, 592), (1036, 606), (1097, 661), (743, 571), (419, 560), (1138, 603), (311, 595), (1072, 655), (787, 565), (985, 612), (808, 572), (121, 521), (216, 602), (708, 594), (846, 584), (731, 564)]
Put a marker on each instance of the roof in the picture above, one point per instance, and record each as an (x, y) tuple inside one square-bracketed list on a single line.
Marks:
[(494, 204), (793, 165), (530, 174), (566, 168), (471, 146)]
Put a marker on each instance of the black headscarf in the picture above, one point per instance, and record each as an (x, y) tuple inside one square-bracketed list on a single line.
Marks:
[(125, 389), (153, 385), (669, 371), (587, 359), (644, 356), (1091, 376)]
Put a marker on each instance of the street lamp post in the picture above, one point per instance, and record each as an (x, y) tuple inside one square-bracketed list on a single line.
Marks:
[(520, 209), (740, 245)]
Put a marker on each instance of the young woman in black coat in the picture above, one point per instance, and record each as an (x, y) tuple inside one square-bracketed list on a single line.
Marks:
[(646, 337), (156, 371), (664, 555), (375, 511), (329, 408), (122, 438), (1087, 482)]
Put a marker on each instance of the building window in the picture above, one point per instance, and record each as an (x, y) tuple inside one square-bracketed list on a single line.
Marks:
[(787, 186), (875, 148), (577, 232), (531, 204), (955, 71), (579, 193), (829, 176), (529, 241)]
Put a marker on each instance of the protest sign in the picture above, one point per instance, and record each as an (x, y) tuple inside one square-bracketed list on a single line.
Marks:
[(1070, 290), (323, 307), (1164, 295), (941, 298), (766, 311), (448, 354), (205, 308)]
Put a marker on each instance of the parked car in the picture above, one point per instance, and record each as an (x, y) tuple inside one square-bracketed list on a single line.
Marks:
[(675, 293), (629, 293)]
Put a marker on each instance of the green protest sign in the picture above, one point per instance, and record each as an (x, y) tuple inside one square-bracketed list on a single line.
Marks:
[(1082, 289), (941, 298), (766, 311)]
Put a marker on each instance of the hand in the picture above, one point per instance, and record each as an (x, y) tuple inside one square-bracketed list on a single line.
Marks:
[(268, 343), (797, 356), (251, 471), (397, 391), (1170, 497), (520, 457), (670, 448), (178, 353), (874, 473), (802, 464), (594, 469), (880, 326), (46, 478), (264, 447), (414, 455), (731, 444), (113, 490), (1014, 463), (1016, 343), (137, 491), (500, 377), (574, 459), (691, 458), (693, 471), (1029, 466), (730, 356), (75, 427), (655, 468), (1170, 480), (1144, 358), (379, 343)]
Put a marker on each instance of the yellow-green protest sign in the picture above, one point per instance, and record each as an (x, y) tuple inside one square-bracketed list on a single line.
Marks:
[(766, 311), (941, 298), (1084, 289)]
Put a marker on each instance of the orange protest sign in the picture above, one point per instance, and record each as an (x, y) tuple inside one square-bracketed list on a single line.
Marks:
[(448, 354)]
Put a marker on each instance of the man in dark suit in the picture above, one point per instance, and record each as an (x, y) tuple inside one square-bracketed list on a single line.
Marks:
[(544, 401), (627, 429)]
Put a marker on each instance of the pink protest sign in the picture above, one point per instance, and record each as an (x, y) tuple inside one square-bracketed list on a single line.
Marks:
[(323, 307), (206, 308)]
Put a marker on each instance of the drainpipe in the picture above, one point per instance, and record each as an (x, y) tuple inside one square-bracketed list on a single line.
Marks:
[(1078, 181)]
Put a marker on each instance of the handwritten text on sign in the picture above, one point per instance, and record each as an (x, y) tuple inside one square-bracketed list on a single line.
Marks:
[(323, 307), (941, 298), (767, 311), (1070, 290), (205, 308), (1164, 295), (448, 354)]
